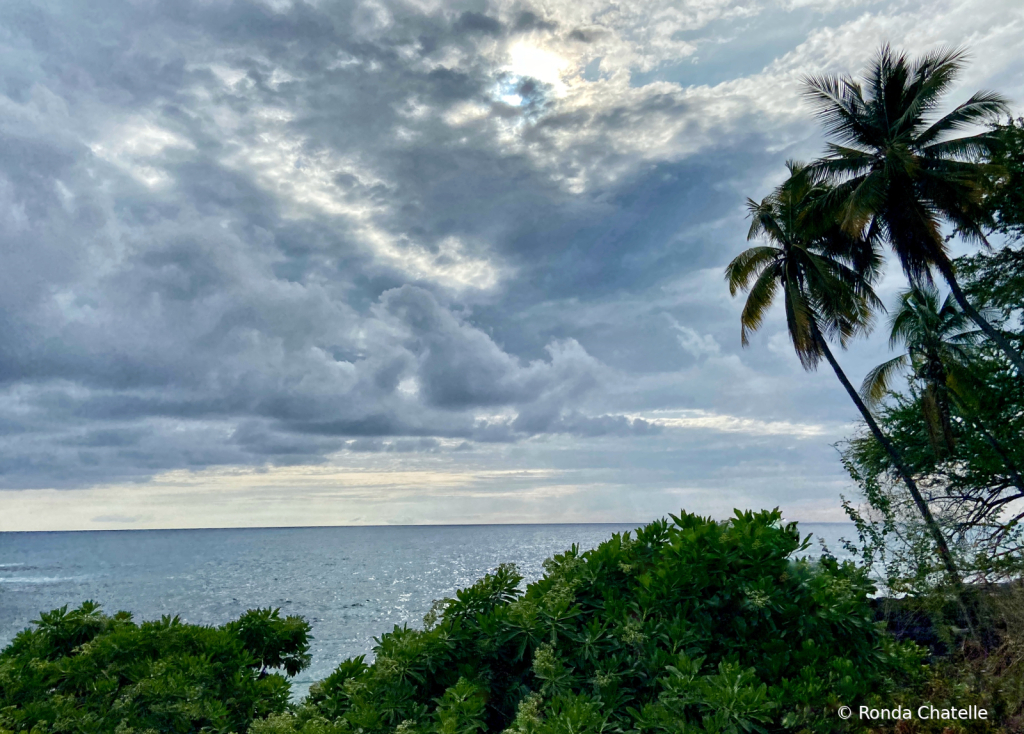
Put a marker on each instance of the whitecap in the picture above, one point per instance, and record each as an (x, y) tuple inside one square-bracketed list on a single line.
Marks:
[(38, 579)]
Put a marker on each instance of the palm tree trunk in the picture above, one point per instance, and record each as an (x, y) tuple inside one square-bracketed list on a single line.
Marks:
[(946, 268), (936, 426), (897, 461)]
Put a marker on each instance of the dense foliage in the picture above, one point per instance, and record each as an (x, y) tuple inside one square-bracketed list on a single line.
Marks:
[(975, 479), (84, 671), (1006, 200), (690, 626)]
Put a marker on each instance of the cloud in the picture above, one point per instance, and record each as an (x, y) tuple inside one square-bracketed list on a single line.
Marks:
[(272, 235), (459, 366), (700, 419)]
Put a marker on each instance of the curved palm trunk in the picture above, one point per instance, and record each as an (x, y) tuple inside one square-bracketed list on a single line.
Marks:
[(897, 461), (946, 268)]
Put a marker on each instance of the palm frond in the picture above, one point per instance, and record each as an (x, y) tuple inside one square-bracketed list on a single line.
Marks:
[(754, 211), (800, 318), (863, 201), (842, 300), (937, 70), (973, 149), (879, 380), (764, 217), (889, 78), (981, 107), (747, 265), (930, 77), (840, 106), (905, 324), (759, 300), (912, 228), (956, 191), (841, 165)]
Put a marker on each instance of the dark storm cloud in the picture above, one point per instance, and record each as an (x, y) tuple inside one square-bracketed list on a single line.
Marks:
[(249, 233), (199, 301), (470, 22)]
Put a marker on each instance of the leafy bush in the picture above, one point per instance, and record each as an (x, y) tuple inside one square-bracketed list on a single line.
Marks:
[(84, 671), (690, 626)]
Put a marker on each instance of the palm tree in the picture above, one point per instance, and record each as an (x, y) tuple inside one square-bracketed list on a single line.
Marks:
[(901, 175), (824, 278), (938, 345), (939, 351)]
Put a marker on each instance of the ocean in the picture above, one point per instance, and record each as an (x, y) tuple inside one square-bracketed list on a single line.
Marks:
[(350, 583)]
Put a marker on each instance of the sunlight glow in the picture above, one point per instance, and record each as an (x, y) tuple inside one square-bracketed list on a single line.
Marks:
[(536, 63)]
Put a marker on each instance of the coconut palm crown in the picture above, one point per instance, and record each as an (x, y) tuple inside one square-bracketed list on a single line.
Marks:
[(939, 346), (938, 342), (900, 173), (819, 270)]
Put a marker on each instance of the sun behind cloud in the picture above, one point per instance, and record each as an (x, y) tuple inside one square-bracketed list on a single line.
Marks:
[(538, 63)]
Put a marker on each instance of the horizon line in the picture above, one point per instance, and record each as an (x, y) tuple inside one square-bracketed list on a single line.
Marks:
[(414, 525)]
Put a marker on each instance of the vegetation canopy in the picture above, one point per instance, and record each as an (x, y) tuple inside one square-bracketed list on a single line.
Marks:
[(84, 671), (689, 626), (957, 424)]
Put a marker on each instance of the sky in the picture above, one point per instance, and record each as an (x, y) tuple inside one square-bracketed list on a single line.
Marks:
[(269, 263)]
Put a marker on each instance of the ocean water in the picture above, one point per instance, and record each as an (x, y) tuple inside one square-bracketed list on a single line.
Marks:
[(350, 583)]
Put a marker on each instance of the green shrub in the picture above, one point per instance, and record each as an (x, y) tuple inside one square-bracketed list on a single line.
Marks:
[(84, 671), (690, 626), (686, 626)]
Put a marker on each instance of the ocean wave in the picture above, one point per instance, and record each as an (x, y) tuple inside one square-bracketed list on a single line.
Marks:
[(38, 579)]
